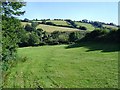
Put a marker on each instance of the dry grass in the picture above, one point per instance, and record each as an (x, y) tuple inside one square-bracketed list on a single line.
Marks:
[(49, 28)]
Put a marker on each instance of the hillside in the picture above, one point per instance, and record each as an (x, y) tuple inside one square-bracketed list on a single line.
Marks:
[(49, 28), (110, 26), (88, 26), (58, 22), (59, 26)]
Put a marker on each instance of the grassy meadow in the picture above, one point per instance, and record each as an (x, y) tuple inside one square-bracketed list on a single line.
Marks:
[(85, 65), (110, 26), (25, 23), (58, 22), (49, 28), (88, 26)]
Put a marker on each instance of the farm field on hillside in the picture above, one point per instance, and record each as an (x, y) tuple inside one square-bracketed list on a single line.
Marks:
[(63, 66), (49, 28), (110, 26), (57, 22), (88, 26), (24, 23)]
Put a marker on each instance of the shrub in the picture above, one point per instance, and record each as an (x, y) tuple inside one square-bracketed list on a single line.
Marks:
[(43, 22), (29, 28), (33, 39), (34, 24), (96, 24), (74, 36), (113, 36), (52, 41), (26, 20), (24, 37), (71, 22), (103, 35), (63, 38), (50, 23), (82, 28)]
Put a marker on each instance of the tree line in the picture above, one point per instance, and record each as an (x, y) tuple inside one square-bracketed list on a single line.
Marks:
[(32, 36), (35, 37)]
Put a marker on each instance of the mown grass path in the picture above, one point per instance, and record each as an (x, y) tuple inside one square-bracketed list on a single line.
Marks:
[(58, 66)]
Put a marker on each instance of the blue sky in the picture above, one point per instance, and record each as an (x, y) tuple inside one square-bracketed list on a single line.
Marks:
[(96, 11)]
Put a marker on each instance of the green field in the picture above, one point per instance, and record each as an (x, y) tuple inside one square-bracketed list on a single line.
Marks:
[(24, 23), (110, 26), (76, 66), (88, 26), (58, 22), (49, 28)]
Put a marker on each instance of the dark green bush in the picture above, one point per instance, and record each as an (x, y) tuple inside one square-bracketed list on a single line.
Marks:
[(33, 39), (103, 35), (75, 36), (50, 23), (82, 28), (29, 28)]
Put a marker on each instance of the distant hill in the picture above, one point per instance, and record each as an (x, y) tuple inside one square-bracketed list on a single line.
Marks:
[(62, 25), (49, 28)]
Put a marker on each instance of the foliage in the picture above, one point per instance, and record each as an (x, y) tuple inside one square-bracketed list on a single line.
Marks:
[(29, 28), (63, 38), (43, 22), (31, 36), (34, 24), (58, 37), (10, 33), (33, 39), (24, 37), (75, 36), (113, 36), (50, 23), (71, 22), (11, 30), (25, 20), (12, 8), (85, 21), (82, 28), (103, 35), (96, 24)]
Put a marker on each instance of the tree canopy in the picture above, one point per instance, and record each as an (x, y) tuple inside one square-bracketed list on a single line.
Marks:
[(11, 27)]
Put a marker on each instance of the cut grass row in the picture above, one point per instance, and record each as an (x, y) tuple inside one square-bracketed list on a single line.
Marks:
[(49, 28)]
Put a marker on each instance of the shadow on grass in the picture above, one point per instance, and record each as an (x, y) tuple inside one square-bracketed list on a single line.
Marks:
[(93, 46)]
